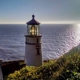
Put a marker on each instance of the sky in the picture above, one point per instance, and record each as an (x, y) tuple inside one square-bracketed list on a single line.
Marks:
[(45, 11)]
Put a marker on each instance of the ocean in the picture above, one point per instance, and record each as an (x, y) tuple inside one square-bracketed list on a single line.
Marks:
[(57, 39)]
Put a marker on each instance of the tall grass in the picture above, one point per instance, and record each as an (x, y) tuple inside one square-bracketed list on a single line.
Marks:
[(67, 67)]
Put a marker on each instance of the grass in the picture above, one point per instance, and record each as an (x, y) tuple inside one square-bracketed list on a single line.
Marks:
[(67, 67)]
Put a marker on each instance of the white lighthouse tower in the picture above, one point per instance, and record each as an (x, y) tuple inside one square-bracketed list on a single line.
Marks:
[(33, 53)]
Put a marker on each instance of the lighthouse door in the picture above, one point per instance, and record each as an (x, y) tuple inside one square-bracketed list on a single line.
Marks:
[(38, 47)]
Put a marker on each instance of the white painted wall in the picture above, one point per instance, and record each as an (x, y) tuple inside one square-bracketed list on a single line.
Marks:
[(31, 57)]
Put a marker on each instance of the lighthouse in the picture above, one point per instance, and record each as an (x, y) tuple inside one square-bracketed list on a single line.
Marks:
[(33, 51)]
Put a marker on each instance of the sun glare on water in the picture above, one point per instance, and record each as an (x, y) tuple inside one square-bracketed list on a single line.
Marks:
[(77, 29)]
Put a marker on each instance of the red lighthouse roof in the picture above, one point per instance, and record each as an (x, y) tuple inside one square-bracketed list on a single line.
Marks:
[(33, 21)]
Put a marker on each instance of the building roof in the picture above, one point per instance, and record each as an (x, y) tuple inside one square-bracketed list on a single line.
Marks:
[(33, 21)]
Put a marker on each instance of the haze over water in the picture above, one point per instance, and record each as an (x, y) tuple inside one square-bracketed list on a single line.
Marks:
[(56, 39)]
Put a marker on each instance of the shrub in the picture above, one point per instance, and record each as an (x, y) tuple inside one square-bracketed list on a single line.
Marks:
[(66, 67)]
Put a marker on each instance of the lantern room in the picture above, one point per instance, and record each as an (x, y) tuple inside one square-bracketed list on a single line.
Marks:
[(33, 27)]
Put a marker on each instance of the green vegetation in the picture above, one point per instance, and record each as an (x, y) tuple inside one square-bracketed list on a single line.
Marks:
[(67, 67)]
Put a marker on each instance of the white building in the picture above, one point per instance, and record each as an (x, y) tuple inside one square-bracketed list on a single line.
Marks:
[(33, 52), (1, 75)]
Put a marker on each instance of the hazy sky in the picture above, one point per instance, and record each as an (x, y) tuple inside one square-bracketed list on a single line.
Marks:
[(20, 11)]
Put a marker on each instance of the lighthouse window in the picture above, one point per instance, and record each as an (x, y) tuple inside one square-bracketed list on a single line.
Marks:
[(38, 53), (33, 30), (37, 40)]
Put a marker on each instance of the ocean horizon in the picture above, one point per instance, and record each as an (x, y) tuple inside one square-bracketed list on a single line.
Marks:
[(57, 39)]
